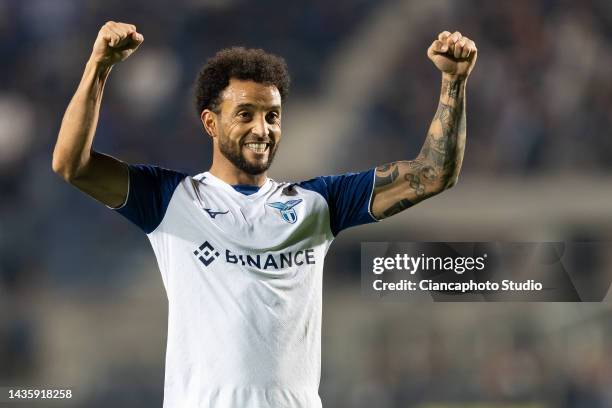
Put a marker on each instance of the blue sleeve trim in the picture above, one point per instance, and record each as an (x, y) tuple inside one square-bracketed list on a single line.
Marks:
[(150, 189), (348, 197)]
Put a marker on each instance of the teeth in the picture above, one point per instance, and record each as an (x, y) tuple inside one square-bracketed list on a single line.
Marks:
[(257, 147)]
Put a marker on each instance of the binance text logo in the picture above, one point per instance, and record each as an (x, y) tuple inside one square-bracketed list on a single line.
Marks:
[(206, 253)]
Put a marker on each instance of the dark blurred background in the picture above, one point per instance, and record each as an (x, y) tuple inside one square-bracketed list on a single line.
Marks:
[(81, 301)]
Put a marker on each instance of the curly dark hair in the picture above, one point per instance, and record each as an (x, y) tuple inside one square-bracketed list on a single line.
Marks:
[(240, 63)]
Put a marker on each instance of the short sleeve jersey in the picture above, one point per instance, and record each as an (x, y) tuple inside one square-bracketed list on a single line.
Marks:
[(242, 268)]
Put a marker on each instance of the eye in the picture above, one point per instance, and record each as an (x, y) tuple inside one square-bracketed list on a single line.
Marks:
[(244, 115), (273, 117)]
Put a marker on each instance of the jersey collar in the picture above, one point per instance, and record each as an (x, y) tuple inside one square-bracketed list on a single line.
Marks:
[(207, 177)]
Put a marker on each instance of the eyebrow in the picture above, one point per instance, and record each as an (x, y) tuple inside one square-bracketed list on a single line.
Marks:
[(252, 106)]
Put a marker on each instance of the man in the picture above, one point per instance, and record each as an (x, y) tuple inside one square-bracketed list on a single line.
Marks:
[(241, 255)]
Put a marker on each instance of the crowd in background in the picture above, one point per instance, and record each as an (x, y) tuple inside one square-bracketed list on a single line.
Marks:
[(539, 102)]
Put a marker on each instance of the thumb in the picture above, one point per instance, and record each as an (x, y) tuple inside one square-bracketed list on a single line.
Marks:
[(137, 38), (130, 41)]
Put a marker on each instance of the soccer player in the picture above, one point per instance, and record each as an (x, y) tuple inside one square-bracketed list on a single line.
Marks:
[(241, 255)]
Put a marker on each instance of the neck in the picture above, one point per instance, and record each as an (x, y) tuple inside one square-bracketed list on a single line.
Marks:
[(233, 175)]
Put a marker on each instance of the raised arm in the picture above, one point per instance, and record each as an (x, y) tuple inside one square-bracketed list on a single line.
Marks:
[(402, 184), (101, 176)]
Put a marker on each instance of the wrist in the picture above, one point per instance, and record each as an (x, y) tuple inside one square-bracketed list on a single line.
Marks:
[(95, 76), (100, 68), (454, 77)]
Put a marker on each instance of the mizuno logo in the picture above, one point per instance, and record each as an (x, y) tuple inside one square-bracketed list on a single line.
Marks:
[(213, 214), (286, 210)]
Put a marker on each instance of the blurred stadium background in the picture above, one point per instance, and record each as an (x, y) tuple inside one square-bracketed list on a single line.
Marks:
[(81, 301)]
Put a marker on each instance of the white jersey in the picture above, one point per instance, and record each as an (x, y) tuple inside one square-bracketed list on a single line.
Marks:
[(242, 267)]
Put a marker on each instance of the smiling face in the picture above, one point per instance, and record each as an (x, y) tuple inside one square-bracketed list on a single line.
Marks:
[(246, 128)]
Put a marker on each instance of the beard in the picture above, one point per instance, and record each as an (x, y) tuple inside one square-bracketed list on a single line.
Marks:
[(233, 153)]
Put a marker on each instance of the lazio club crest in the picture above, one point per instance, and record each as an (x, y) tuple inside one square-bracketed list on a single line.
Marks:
[(286, 210)]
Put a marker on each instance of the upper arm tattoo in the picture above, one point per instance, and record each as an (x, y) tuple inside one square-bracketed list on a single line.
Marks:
[(404, 184), (386, 174)]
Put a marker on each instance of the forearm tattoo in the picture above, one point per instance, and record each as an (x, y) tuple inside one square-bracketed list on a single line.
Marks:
[(439, 161), (445, 141), (451, 88)]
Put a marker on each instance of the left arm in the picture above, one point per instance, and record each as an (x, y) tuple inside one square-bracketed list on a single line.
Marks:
[(402, 184)]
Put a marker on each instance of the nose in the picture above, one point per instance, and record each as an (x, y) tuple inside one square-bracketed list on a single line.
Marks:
[(260, 127)]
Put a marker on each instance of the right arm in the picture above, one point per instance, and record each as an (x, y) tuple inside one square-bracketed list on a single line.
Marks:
[(402, 184), (98, 175)]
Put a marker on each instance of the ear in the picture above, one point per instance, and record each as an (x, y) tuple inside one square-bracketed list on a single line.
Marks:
[(209, 121)]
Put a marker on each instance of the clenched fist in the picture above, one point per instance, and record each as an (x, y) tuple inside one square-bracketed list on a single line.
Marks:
[(453, 54), (115, 42)]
